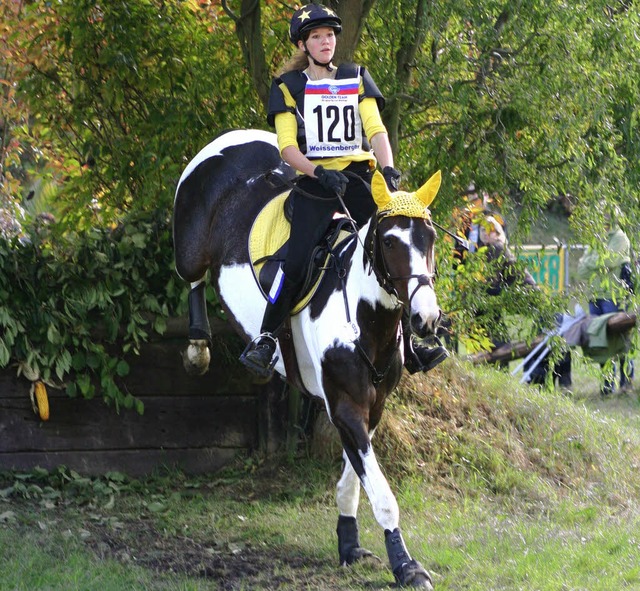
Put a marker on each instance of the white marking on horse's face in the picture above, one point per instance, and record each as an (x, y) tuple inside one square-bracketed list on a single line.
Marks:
[(424, 304), (383, 502), (233, 138)]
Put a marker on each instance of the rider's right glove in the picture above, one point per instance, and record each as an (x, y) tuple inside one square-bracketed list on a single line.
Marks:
[(332, 180)]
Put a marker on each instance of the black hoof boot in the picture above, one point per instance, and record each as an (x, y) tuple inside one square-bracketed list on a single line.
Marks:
[(406, 571), (349, 543), (199, 328), (259, 356)]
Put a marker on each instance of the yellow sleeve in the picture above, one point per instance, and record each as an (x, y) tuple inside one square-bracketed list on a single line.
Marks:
[(286, 130), (286, 123), (370, 116)]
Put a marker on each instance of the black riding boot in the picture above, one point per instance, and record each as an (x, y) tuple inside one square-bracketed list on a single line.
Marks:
[(258, 357), (419, 357), (199, 328)]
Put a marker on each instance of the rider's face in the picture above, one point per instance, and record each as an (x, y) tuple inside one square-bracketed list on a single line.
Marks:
[(321, 44)]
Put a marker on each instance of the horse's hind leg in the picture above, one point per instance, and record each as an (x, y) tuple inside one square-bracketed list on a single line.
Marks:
[(199, 328), (348, 497), (197, 356)]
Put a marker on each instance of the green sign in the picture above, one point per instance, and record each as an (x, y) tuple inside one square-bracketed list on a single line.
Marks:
[(547, 264)]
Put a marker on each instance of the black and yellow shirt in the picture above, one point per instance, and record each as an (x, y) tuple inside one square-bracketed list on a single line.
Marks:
[(286, 112)]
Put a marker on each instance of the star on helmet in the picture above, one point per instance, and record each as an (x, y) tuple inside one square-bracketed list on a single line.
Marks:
[(329, 11), (305, 15)]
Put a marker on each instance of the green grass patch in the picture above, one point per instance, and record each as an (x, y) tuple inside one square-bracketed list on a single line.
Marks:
[(500, 487)]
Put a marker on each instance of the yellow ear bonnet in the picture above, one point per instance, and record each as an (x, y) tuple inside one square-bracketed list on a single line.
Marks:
[(414, 205)]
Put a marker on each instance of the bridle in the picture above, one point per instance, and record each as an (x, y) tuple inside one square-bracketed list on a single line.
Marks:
[(385, 278), (373, 252)]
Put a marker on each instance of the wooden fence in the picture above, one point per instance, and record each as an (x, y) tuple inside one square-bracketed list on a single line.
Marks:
[(195, 423)]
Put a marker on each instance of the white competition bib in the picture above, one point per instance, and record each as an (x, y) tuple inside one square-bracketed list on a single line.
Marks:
[(331, 119)]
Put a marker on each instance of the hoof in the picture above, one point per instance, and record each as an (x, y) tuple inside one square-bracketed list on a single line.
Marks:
[(357, 554), (413, 574), (196, 358)]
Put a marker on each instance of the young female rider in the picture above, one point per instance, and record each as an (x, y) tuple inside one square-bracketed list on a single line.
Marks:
[(327, 120)]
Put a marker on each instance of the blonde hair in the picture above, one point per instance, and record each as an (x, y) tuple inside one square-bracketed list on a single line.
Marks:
[(298, 61)]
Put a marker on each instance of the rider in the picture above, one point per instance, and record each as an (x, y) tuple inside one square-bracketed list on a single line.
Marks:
[(327, 120)]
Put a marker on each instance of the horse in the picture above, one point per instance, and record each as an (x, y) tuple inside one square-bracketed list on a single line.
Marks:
[(346, 342)]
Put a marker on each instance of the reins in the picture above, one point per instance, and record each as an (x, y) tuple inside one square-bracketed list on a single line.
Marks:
[(376, 376), (385, 279)]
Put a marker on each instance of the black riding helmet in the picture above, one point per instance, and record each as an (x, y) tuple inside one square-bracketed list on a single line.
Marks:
[(310, 17)]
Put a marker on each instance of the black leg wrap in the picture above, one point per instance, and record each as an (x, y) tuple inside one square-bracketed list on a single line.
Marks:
[(349, 542), (199, 328), (406, 571)]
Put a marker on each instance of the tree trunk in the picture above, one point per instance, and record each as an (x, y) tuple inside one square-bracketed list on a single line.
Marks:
[(353, 14), (249, 32), (413, 38)]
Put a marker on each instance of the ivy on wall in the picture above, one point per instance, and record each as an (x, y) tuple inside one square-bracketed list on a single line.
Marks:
[(73, 307)]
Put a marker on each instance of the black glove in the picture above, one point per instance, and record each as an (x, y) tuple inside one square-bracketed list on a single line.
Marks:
[(391, 177), (332, 180)]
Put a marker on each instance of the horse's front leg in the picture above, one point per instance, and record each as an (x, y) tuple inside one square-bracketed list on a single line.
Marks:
[(348, 497), (350, 422)]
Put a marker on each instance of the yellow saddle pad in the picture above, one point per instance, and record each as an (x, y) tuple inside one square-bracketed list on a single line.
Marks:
[(267, 248)]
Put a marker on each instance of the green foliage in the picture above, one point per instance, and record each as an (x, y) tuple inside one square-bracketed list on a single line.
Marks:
[(467, 291), (103, 104), (123, 94), (529, 100), (73, 306)]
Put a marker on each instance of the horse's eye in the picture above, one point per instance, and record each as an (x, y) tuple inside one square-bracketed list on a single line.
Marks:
[(388, 242)]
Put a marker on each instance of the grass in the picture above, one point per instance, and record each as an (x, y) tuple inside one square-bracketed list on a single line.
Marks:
[(501, 487)]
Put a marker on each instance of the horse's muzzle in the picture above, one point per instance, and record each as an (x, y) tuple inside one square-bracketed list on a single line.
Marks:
[(425, 325)]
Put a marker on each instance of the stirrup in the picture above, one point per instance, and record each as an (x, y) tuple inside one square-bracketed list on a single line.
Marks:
[(422, 358), (259, 370)]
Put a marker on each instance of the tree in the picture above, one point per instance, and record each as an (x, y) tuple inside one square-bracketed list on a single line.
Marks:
[(528, 99), (107, 102)]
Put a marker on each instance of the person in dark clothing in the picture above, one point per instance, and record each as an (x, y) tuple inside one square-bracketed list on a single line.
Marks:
[(485, 230)]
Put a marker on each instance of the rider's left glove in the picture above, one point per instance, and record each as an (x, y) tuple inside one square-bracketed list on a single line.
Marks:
[(391, 177)]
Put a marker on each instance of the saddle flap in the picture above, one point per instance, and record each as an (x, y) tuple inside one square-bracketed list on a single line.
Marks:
[(268, 245)]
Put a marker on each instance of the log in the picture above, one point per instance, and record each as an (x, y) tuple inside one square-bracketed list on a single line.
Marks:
[(621, 322), (506, 352), (618, 323)]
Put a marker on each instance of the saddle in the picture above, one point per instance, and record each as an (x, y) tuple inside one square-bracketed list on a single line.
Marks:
[(269, 241)]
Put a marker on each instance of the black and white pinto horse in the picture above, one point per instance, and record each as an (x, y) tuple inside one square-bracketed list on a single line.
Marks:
[(347, 341)]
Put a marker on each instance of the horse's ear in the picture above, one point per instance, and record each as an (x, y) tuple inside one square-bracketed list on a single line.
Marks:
[(379, 190), (427, 193)]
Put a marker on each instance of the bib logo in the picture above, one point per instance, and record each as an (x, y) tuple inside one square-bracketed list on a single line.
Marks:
[(333, 89)]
